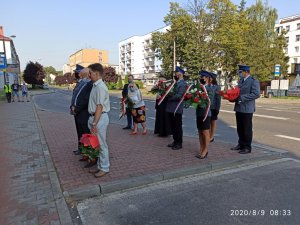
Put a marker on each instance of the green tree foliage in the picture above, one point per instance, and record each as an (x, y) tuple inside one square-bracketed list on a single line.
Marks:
[(120, 83), (126, 79), (34, 73), (50, 70), (218, 35)]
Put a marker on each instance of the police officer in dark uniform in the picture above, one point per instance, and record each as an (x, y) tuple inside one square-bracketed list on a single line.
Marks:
[(244, 108), (176, 118)]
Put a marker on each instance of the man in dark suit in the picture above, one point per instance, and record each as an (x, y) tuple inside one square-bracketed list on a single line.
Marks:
[(80, 104), (176, 118), (244, 109), (128, 110)]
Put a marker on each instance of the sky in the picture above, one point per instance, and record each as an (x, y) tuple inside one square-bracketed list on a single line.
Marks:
[(49, 31)]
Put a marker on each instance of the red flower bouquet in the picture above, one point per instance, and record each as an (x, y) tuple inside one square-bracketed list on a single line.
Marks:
[(89, 146), (231, 94), (196, 96)]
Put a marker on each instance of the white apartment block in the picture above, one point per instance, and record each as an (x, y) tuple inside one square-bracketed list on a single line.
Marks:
[(291, 25), (137, 58)]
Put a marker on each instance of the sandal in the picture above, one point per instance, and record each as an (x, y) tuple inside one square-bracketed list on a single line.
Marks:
[(133, 133), (144, 133)]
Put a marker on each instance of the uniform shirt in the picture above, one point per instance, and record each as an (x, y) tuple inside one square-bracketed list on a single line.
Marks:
[(99, 96)]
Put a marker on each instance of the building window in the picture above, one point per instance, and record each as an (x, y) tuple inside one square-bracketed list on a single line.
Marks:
[(297, 37), (287, 39), (298, 26), (297, 49), (287, 28)]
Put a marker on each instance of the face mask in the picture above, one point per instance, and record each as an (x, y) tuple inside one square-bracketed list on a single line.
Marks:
[(176, 78), (202, 81), (241, 75), (131, 89), (130, 81)]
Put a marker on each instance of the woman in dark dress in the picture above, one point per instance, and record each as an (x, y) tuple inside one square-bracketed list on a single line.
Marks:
[(162, 125)]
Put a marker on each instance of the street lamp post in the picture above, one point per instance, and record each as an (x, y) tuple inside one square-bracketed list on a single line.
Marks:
[(174, 49)]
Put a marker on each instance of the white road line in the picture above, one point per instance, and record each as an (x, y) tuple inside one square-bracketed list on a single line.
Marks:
[(288, 137), (116, 102), (152, 118), (259, 115), (114, 107), (277, 110), (233, 126)]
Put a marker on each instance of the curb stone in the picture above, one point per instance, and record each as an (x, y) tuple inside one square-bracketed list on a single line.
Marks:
[(61, 205), (138, 182)]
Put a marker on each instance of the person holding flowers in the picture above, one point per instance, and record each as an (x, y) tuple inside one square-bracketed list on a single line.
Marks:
[(174, 109), (244, 108), (138, 110), (203, 114)]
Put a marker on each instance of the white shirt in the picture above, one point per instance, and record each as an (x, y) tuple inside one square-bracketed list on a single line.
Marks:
[(99, 96)]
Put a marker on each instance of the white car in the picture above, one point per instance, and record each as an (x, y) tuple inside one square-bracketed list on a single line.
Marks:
[(45, 86)]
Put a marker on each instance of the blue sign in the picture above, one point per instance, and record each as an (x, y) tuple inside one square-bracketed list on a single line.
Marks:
[(277, 70), (2, 62)]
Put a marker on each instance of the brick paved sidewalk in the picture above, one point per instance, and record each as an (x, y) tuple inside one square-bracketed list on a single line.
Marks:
[(29, 193), (130, 156)]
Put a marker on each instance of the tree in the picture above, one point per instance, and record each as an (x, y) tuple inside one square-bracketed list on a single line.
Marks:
[(120, 83), (50, 70), (67, 78), (109, 75), (34, 73)]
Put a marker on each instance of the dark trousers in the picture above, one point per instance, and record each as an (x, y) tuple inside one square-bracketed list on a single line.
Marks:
[(8, 97), (81, 128), (176, 127), (129, 117), (244, 129)]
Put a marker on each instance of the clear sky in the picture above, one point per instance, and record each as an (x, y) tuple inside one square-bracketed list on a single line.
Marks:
[(49, 31)]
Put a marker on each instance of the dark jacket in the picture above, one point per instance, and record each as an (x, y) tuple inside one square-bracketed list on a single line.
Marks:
[(175, 99), (81, 108)]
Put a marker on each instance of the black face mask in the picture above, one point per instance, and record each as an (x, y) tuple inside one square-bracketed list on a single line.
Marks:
[(176, 78), (202, 81)]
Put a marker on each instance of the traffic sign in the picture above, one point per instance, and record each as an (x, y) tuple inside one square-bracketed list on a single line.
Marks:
[(277, 70)]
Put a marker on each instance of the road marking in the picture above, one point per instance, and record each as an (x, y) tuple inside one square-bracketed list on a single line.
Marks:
[(114, 107), (259, 115), (152, 118), (232, 126), (277, 110), (116, 102), (288, 137)]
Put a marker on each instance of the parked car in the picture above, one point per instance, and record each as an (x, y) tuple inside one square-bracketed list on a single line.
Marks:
[(45, 86)]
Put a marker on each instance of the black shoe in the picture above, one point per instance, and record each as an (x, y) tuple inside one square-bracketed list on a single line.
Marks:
[(76, 152), (177, 147), (126, 128), (90, 164), (238, 147), (202, 157), (212, 140), (171, 145), (245, 151)]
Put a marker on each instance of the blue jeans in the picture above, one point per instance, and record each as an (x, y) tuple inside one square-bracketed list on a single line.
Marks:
[(103, 160)]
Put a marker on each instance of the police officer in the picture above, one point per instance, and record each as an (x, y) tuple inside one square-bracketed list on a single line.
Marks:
[(244, 109), (176, 119), (7, 90)]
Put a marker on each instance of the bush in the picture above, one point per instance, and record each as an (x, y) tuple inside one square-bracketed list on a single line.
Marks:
[(139, 83), (120, 83), (126, 79), (111, 86)]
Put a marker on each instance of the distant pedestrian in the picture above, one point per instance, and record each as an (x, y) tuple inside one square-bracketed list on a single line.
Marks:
[(162, 123), (24, 92), (172, 102), (99, 106), (215, 105), (128, 110), (244, 108), (203, 123), (8, 91), (15, 88), (139, 109)]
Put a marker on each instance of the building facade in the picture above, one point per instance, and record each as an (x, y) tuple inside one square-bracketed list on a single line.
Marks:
[(137, 58), (85, 57), (8, 51), (291, 25)]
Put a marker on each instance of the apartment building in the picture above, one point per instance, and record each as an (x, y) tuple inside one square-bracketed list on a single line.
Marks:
[(137, 58), (291, 25), (85, 57)]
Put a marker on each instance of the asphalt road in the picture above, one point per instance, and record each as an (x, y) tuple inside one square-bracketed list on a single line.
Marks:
[(262, 195), (275, 125)]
